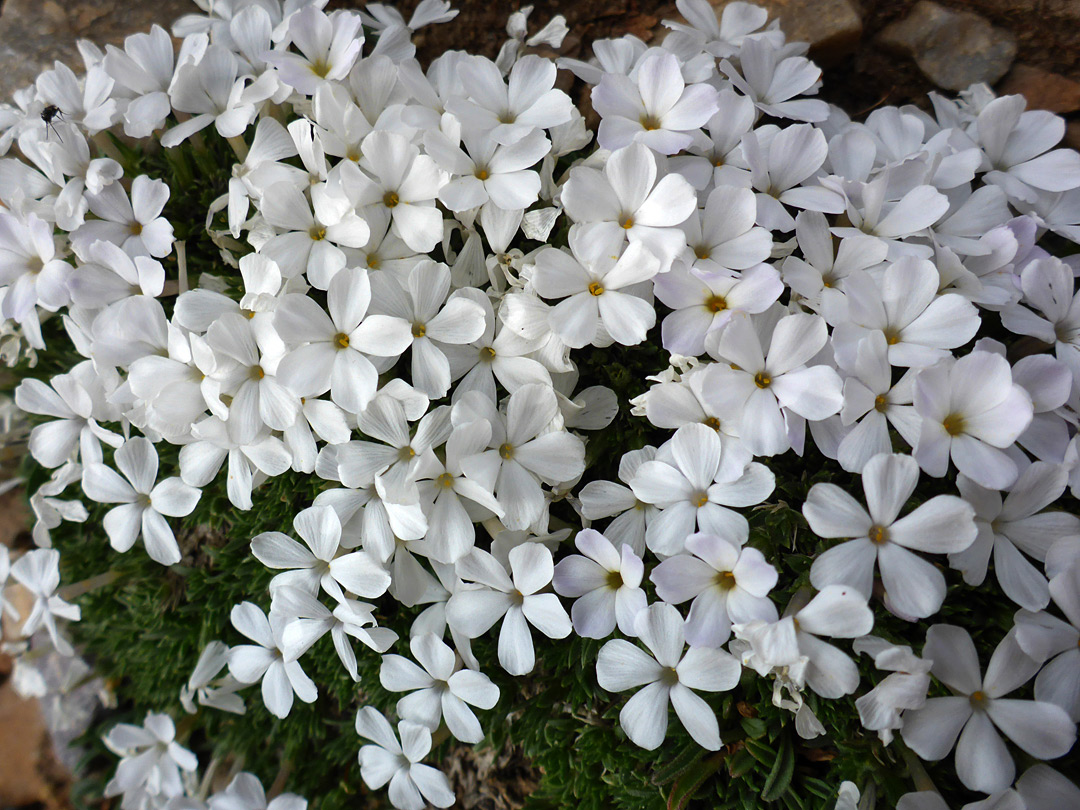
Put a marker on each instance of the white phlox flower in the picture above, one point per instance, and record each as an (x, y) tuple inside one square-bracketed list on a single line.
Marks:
[(605, 583), (439, 689), (517, 601), (151, 757), (913, 586), (668, 677), (38, 571), (412, 784), (144, 501), (978, 712), (264, 660)]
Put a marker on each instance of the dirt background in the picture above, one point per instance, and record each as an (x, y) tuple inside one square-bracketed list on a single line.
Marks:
[(860, 74)]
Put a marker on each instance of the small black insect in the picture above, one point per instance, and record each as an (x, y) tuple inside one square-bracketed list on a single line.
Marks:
[(49, 115)]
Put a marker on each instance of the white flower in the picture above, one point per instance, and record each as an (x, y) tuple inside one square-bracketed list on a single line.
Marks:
[(144, 70), (136, 225), (307, 620), (431, 318), (522, 451), (110, 275), (264, 660), (1057, 643), (510, 110), (705, 303), (668, 677), (152, 759), (768, 385), (943, 524), (1015, 144), (602, 499), (605, 585), (330, 44), (655, 108), (144, 503), (473, 612), (39, 572), (627, 194), (779, 167), (694, 487), (212, 90), (55, 442), (489, 171), (320, 563), (971, 411), (729, 585), (919, 325), (403, 182), (592, 284), (978, 710), (1043, 788), (29, 264), (772, 79), (88, 102), (1014, 525), (222, 695), (1048, 286), (412, 784), (329, 351), (440, 690)]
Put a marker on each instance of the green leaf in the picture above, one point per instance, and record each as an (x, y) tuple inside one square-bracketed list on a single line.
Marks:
[(678, 765), (779, 778), (691, 780), (754, 727)]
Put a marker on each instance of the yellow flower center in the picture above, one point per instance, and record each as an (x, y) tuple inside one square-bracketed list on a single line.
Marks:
[(953, 424), (257, 373), (487, 354), (712, 422), (390, 199), (614, 580), (482, 174), (880, 404), (715, 303), (596, 288), (878, 535), (341, 340), (317, 233), (446, 480), (650, 122), (135, 228), (762, 380), (725, 580), (419, 330), (700, 499), (506, 451)]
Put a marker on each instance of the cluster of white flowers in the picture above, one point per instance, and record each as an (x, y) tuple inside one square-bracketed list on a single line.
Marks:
[(817, 273)]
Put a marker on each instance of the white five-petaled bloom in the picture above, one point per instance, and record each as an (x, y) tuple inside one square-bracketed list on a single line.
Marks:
[(767, 385), (328, 45), (404, 183), (629, 198), (134, 224), (655, 108), (412, 784), (151, 758), (694, 484), (420, 304), (474, 611), (28, 263), (971, 412), (1013, 525), (38, 571), (906, 688), (728, 583), (143, 503), (1048, 639), (319, 563), (264, 660), (668, 677), (522, 452), (978, 710), (593, 285), (606, 585), (440, 689), (329, 351), (913, 586)]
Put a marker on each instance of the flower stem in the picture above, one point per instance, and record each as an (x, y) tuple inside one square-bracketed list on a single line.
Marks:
[(239, 146)]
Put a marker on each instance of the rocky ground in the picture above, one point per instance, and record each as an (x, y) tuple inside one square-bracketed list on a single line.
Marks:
[(874, 53)]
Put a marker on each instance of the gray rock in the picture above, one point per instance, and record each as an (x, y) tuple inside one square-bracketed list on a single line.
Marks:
[(33, 34), (954, 49)]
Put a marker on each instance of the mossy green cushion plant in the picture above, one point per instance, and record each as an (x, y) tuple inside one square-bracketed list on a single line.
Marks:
[(379, 415)]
